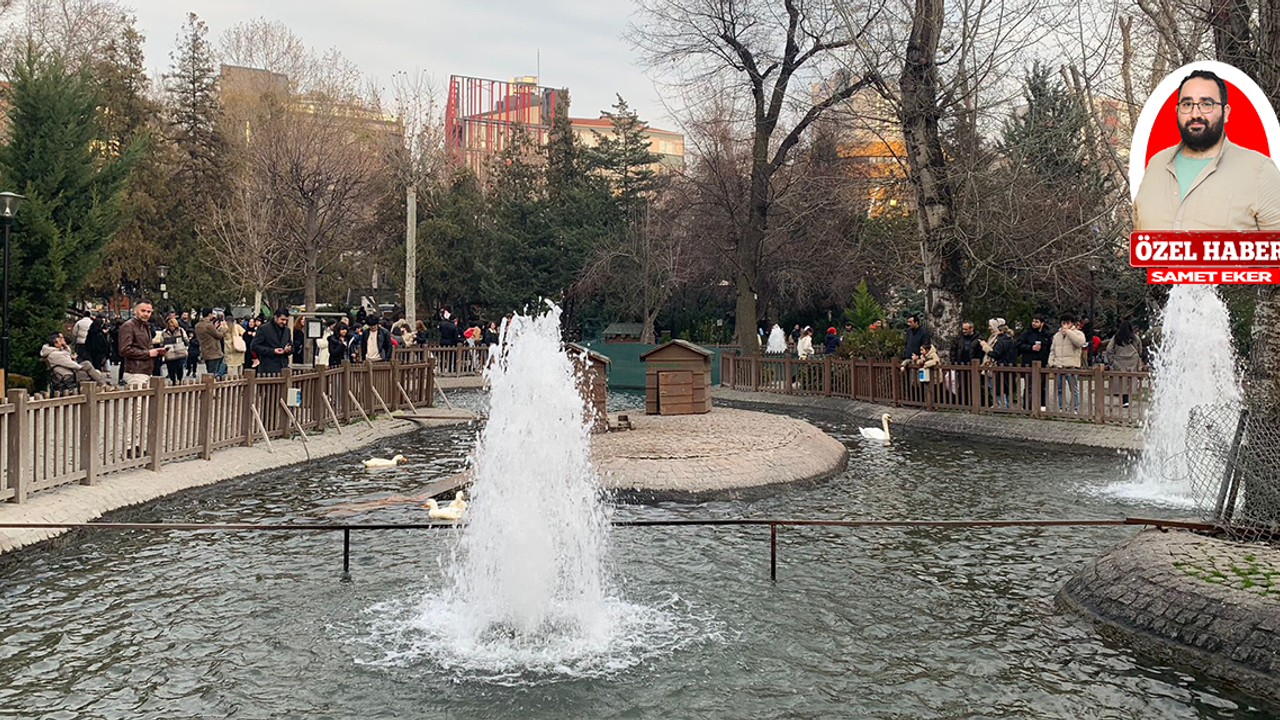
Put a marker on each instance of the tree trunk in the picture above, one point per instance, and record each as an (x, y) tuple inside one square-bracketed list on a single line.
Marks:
[(311, 273), (257, 302), (748, 250), (411, 257), (940, 245), (1262, 483)]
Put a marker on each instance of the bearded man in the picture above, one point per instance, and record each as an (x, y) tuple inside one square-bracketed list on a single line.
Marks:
[(1206, 182)]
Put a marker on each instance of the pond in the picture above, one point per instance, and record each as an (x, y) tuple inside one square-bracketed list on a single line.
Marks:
[(861, 623)]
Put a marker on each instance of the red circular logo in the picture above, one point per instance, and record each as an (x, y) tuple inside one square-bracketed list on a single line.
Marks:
[(1244, 127)]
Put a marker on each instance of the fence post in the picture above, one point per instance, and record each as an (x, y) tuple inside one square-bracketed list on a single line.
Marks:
[(344, 402), (395, 382), (317, 397), (1099, 395), (283, 422), (249, 400), (1037, 385), (155, 423), (931, 385), (897, 384), (368, 369), (89, 434), (786, 368), (755, 373), (19, 429), (826, 375), (206, 418), (975, 387)]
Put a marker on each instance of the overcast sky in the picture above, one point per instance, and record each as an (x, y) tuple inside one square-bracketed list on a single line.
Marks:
[(582, 43)]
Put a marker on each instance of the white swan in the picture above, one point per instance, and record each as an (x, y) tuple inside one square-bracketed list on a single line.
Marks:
[(382, 462), (877, 433), (448, 512)]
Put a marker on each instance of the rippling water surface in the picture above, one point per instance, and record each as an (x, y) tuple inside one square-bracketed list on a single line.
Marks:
[(878, 624)]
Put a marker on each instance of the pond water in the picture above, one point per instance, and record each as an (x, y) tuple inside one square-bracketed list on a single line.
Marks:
[(882, 624)]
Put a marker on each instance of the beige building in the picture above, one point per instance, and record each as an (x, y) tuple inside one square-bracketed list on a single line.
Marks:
[(668, 145)]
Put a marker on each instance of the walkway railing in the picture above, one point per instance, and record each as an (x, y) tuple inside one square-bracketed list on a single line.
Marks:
[(455, 361), (1093, 394), (49, 442), (772, 523)]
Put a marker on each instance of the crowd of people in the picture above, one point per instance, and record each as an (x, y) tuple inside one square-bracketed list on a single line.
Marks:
[(1074, 344), (130, 351)]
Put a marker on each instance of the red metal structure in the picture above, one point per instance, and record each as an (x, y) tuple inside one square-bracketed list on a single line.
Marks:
[(482, 115)]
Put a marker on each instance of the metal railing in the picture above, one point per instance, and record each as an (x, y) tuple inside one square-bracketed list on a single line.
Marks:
[(453, 361), (772, 523), (1092, 394)]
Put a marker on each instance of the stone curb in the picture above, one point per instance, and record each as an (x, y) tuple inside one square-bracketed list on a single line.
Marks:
[(1057, 432), (85, 503), (1135, 595)]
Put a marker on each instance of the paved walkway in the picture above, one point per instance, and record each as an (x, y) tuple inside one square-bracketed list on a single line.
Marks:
[(725, 450), (1058, 432), (85, 503)]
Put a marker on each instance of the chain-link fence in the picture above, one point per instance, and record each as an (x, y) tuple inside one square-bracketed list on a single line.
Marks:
[(1233, 464)]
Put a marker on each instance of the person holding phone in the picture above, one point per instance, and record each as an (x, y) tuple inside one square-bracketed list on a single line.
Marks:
[(273, 344)]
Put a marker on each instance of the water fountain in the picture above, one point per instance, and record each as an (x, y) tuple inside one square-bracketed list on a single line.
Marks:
[(777, 342), (1195, 365), (527, 592)]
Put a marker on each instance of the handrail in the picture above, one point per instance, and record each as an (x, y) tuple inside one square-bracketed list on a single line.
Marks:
[(772, 523)]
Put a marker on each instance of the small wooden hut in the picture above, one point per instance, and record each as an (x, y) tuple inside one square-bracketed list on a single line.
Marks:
[(593, 369), (677, 379)]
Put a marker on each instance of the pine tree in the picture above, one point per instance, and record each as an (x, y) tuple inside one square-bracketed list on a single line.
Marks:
[(624, 158), (74, 196), (191, 87), (865, 309), (1048, 135)]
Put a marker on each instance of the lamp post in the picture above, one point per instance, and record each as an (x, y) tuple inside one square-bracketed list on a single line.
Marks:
[(9, 203), (1092, 316), (162, 271)]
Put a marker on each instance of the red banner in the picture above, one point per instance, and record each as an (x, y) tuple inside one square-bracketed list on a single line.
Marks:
[(1204, 249), (1216, 276)]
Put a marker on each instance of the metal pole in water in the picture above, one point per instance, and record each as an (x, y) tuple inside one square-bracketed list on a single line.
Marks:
[(773, 552), (346, 552)]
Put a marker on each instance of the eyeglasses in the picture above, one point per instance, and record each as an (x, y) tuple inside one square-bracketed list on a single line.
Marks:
[(1206, 106)]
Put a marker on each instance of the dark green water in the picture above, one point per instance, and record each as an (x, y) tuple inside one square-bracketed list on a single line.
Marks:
[(876, 624)]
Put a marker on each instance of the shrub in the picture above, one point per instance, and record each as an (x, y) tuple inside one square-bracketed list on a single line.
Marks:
[(872, 344)]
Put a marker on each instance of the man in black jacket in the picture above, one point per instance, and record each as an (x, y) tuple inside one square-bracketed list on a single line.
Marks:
[(1033, 346), (273, 344), (966, 347), (915, 335)]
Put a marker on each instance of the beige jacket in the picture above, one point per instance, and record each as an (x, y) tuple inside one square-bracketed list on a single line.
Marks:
[(1064, 351), (1238, 190), (230, 331)]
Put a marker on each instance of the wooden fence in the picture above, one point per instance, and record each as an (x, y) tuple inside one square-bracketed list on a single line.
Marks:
[(1093, 394), (453, 361), (48, 442)]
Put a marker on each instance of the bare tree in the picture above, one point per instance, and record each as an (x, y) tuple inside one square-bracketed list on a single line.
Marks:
[(76, 30), (786, 57), (245, 241), (418, 160)]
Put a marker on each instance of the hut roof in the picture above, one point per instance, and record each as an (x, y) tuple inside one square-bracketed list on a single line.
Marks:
[(620, 329), (590, 353), (682, 343)]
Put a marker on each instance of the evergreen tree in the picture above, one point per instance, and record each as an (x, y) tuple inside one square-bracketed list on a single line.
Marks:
[(74, 196), (624, 158), (199, 157), (1048, 134), (449, 267), (521, 264), (865, 309)]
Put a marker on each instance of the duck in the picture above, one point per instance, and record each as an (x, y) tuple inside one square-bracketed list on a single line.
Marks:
[(459, 501), (878, 433), (382, 462), (448, 512)]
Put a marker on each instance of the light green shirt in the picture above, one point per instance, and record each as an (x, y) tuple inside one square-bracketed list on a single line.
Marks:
[(1187, 169)]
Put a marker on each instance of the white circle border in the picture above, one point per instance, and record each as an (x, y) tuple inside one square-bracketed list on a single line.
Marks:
[(1167, 86)]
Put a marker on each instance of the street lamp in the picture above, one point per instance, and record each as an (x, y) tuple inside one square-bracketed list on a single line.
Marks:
[(163, 270), (1092, 315), (9, 203)]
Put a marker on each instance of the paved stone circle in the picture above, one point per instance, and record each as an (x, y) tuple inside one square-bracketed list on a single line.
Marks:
[(724, 450), (1202, 602)]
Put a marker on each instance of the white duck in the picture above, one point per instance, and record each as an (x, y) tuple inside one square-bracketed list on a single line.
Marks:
[(373, 463), (877, 433), (459, 501), (449, 512)]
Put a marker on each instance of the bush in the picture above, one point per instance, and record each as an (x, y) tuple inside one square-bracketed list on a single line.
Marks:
[(14, 381), (872, 344)]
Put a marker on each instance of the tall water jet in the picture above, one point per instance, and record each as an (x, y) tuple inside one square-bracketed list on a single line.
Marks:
[(527, 596), (777, 343), (1195, 365), (533, 550)]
